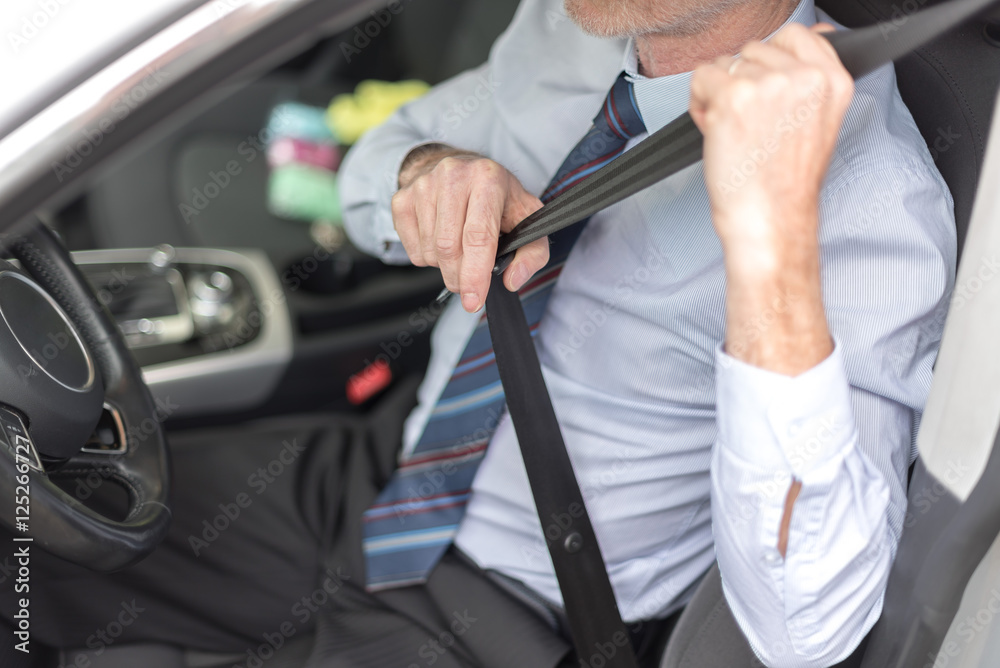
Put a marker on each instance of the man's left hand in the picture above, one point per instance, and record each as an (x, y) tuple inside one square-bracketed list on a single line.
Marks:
[(771, 120)]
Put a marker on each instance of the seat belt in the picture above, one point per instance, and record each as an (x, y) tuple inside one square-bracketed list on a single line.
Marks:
[(595, 622)]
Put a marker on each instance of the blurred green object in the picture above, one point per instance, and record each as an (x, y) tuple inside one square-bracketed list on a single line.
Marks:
[(351, 115), (301, 192)]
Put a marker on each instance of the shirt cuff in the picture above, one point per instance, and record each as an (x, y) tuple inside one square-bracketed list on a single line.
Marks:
[(388, 245), (780, 422)]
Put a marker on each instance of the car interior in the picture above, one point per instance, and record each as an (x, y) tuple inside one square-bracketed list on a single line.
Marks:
[(346, 305), (238, 313)]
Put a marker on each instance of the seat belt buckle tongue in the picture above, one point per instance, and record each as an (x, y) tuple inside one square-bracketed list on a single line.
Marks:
[(502, 263)]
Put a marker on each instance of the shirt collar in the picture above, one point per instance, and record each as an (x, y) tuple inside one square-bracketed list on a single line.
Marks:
[(663, 99)]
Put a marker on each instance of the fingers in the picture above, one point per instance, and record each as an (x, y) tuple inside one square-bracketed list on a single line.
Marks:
[(796, 55), (452, 210), (404, 219), (768, 56), (479, 242), (747, 69), (811, 48), (451, 217), (528, 260), (773, 70), (426, 206), (707, 79)]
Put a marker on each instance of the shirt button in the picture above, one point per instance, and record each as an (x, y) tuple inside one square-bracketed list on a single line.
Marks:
[(772, 557), (794, 429)]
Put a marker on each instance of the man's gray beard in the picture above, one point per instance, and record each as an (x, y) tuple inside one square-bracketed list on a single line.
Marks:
[(629, 22)]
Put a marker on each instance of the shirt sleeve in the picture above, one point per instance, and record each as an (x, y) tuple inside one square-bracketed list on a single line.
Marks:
[(369, 176), (844, 429)]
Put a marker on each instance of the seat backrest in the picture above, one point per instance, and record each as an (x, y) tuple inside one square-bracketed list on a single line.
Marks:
[(950, 87)]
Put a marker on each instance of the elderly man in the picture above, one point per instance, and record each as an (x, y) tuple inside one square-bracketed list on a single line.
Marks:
[(815, 243), (737, 356)]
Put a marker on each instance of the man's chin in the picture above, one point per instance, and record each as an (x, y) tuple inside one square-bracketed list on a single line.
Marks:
[(632, 18), (606, 18)]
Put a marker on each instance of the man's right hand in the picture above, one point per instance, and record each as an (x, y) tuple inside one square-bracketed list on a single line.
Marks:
[(449, 212)]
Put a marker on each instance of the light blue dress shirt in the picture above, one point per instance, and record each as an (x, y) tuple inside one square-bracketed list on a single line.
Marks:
[(684, 454)]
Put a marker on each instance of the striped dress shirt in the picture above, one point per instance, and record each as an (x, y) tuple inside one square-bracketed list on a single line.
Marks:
[(683, 453)]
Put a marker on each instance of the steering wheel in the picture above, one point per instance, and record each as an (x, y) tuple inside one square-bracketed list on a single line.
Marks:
[(65, 370)]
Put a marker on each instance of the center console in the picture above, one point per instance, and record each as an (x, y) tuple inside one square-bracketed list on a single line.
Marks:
[(210, 327)]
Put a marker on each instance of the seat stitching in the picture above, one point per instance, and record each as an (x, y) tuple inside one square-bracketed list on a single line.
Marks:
[(702, 630)]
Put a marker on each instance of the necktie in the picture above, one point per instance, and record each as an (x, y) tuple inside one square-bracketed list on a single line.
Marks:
[(415, 518)]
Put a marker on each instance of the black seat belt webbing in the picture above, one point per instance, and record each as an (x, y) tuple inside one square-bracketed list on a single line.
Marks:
[(589, 601)]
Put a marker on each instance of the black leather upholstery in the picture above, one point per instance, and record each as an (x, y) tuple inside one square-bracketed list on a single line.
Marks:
[(950, 87)]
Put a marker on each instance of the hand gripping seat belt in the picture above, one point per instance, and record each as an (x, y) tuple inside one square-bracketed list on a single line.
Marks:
[(588, 598)]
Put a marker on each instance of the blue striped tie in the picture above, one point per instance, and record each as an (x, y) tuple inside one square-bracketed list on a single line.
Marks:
[(415, 518)]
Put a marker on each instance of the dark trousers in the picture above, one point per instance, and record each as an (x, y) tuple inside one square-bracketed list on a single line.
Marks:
[(265, 546)]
